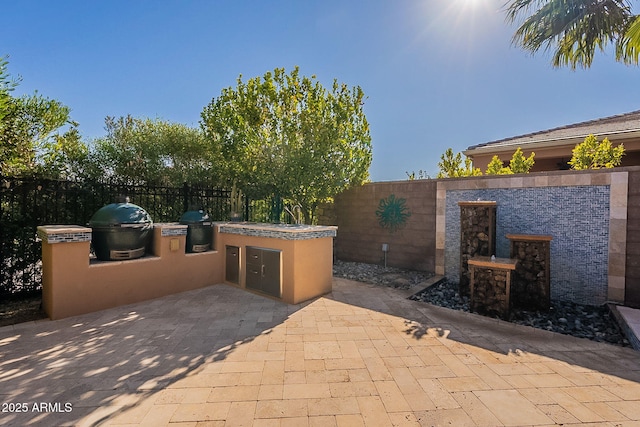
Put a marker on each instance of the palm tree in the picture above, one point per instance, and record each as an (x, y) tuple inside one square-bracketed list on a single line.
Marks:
[(575, 28)]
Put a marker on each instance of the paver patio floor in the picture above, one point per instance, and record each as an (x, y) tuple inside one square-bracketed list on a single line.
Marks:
[(360, 356)]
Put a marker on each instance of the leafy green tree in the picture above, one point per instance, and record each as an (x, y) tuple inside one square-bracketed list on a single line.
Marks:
[(594, 154), (287, 137), (451, 166), (152, 151), (496, 167), (31, 134), (575, 29), (6, 86), (66, 155), (37, 135)]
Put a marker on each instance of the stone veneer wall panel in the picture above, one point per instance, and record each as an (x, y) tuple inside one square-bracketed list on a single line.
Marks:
[(360, 237), (608, 242), (576, 217), (424, 244), (632, 271)]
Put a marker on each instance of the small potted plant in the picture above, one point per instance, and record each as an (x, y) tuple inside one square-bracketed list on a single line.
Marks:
[(236, 204)]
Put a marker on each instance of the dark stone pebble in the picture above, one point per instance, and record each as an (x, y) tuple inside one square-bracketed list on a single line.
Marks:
[(593, 322)]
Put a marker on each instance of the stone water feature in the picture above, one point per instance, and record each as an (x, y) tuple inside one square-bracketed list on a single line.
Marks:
[(490, 285), (494, 285), (477, 235), (532, 278)]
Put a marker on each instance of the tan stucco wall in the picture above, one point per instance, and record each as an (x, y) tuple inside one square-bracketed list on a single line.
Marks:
[(73, 285), (307, 265)]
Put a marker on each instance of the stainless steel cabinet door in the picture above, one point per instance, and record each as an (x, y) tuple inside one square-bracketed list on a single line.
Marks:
[(232, 267), (271, 276), (263, 268)]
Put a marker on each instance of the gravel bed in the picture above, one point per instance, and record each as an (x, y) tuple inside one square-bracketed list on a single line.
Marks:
[(584, 321), (379, 275)]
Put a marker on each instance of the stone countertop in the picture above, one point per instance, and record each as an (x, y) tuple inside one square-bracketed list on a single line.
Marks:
[(62, 229), (278, 231), (171, 228), (498, 263), (478, 203), (63, 233), (529, 237), (169, 225)]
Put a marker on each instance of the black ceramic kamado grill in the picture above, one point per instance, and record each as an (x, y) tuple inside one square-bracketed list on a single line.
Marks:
[(120, 231), (200, 231)]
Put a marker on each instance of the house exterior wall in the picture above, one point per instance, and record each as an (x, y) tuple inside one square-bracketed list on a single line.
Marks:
[(545, 159), (550, 158)]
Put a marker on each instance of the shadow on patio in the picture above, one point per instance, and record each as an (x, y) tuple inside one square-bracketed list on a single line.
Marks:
[(501, 337), (361, 355), (113, 358)]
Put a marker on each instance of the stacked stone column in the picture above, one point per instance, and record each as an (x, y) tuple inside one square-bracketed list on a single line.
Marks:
[(477, 235), (532, 279)]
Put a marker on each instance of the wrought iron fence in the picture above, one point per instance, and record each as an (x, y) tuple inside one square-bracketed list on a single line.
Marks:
[(26, 203)]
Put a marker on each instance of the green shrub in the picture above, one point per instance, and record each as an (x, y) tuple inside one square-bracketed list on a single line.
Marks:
[(594, 154)]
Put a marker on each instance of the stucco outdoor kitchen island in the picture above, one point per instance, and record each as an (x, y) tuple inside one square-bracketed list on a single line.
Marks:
[(290, 262)]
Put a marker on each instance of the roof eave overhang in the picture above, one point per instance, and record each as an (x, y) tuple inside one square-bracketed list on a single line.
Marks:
[(539, 143)]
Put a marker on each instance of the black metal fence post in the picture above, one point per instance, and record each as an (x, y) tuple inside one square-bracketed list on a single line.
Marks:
[(185, 194)]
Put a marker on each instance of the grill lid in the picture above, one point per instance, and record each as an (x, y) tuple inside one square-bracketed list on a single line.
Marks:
[(195, 217), (117, 214)]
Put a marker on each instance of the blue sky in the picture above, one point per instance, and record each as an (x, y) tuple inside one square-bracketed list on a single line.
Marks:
[(437, 73)]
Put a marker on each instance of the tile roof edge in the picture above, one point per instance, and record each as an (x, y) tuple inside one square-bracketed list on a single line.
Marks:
[(541, 132)]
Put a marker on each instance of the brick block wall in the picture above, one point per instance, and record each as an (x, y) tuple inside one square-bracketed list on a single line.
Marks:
[(326, 214), (360, 236)]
